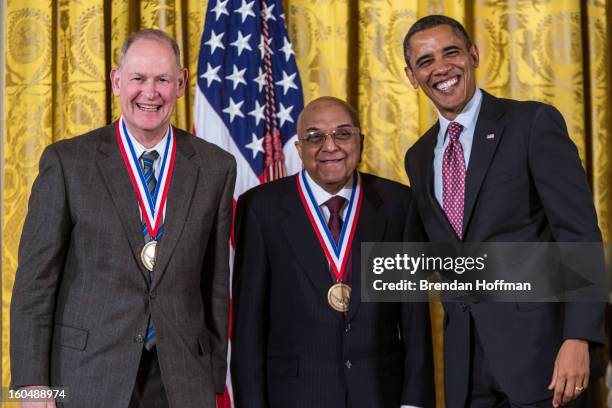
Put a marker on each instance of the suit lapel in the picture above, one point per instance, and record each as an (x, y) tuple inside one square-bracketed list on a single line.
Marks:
[(370, 228), (302, 238), (426, 164), (431, 140), (119, 185), (180, 195), (487, 136)]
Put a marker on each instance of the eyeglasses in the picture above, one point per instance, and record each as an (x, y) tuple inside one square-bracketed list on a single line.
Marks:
[(340, 135)]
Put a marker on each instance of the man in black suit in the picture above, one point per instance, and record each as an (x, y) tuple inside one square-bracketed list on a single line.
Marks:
[(500, 170), (301, 336)]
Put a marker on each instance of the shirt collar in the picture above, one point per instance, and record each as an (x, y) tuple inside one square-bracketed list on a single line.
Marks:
[(467, 117), (321, 196), (140, 149)]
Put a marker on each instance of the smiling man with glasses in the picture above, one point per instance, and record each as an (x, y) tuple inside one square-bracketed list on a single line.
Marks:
[(301, 336)]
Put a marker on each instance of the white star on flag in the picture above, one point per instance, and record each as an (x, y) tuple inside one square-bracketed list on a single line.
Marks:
[(261, 46), (237, 77), (258, 112), (233, 109), (286, 49), (287, 82), (211, 74), (242, 43), (267, 12), (215, 42), (260, 79), (256, 145), (246, 10), (220, 9), (284, 114)]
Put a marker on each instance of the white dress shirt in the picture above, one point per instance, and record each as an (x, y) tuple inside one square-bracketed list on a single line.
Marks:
[(467, 118)]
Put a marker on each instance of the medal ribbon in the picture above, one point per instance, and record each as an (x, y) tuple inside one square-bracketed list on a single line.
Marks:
[(151, 206), (337, 255)]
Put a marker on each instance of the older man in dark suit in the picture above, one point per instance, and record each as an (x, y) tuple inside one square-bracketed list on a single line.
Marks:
[(302, 337), (500, 170), (121, 293)]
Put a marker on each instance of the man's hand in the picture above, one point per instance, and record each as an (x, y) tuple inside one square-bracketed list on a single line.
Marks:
[(571, 373), (37, 403)]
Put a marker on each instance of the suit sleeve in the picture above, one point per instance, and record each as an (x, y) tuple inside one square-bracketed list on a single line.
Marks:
[(567, 200), (215, 281), (250, 320), (42, 251), (418, 387)]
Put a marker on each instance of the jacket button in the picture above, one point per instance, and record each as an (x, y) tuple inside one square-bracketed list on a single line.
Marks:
[(153, 294), (348, 364), (348, 328), (463, 306), (138, 338)]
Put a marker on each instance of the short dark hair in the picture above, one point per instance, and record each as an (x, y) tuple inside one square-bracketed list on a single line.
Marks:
[(152, 34), (431, 21)]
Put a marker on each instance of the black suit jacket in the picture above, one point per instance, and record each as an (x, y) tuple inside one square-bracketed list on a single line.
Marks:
[(524, 184), (290, 348)]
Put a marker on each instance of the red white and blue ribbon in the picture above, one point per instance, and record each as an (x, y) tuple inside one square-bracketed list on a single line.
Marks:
[(337, 254), (153, 206)]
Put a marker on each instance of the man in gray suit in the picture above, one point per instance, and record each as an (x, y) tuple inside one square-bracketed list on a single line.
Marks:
[(121, 293)]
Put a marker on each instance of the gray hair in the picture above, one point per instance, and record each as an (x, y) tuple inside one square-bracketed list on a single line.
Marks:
[(151, 34)]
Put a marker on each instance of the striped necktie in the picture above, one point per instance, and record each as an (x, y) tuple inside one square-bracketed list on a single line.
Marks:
[(147, 161)]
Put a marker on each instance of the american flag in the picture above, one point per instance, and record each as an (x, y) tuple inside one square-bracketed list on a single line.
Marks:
[(249, 94)]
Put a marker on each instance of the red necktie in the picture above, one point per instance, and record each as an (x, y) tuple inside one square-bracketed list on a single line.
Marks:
[(453, 179)]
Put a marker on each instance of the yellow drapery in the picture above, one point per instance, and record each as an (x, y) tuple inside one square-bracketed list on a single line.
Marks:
[(59, 54)]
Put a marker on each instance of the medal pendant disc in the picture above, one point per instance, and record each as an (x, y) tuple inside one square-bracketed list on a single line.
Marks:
[(148, 254), (339, 297)]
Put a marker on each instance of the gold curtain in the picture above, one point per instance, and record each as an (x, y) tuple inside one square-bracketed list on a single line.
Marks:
[(59, 53)]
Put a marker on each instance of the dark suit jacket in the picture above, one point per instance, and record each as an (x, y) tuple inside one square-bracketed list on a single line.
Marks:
[(524, 185), (81, 300), (290, 348)]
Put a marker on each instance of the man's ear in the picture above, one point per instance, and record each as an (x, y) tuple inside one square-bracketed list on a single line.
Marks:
[(115, 78), (182, 82), (411, 77), (474, 54), (361, 140), (298, 146)]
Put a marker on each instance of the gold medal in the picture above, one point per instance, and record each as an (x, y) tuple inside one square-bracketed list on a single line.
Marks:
[(339, 297), (148, 254)]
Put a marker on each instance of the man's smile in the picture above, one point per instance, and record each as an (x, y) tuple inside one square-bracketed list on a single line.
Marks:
[(447, 85), (148, 108)]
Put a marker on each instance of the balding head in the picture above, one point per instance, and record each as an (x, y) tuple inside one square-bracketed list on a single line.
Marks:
[(329, 142), (323, 103)]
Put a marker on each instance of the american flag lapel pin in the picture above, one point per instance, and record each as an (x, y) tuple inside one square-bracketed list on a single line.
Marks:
[(491, 136)]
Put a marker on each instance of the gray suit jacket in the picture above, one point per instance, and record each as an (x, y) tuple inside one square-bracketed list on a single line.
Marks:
[(82, 299)]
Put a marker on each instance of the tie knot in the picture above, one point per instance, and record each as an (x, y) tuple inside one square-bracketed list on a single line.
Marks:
[(335, 204), (454, 130), (148, 158)]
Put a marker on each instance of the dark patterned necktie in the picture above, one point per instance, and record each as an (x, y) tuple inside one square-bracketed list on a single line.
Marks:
[(453, 179), (334, 223), (147, 161)]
